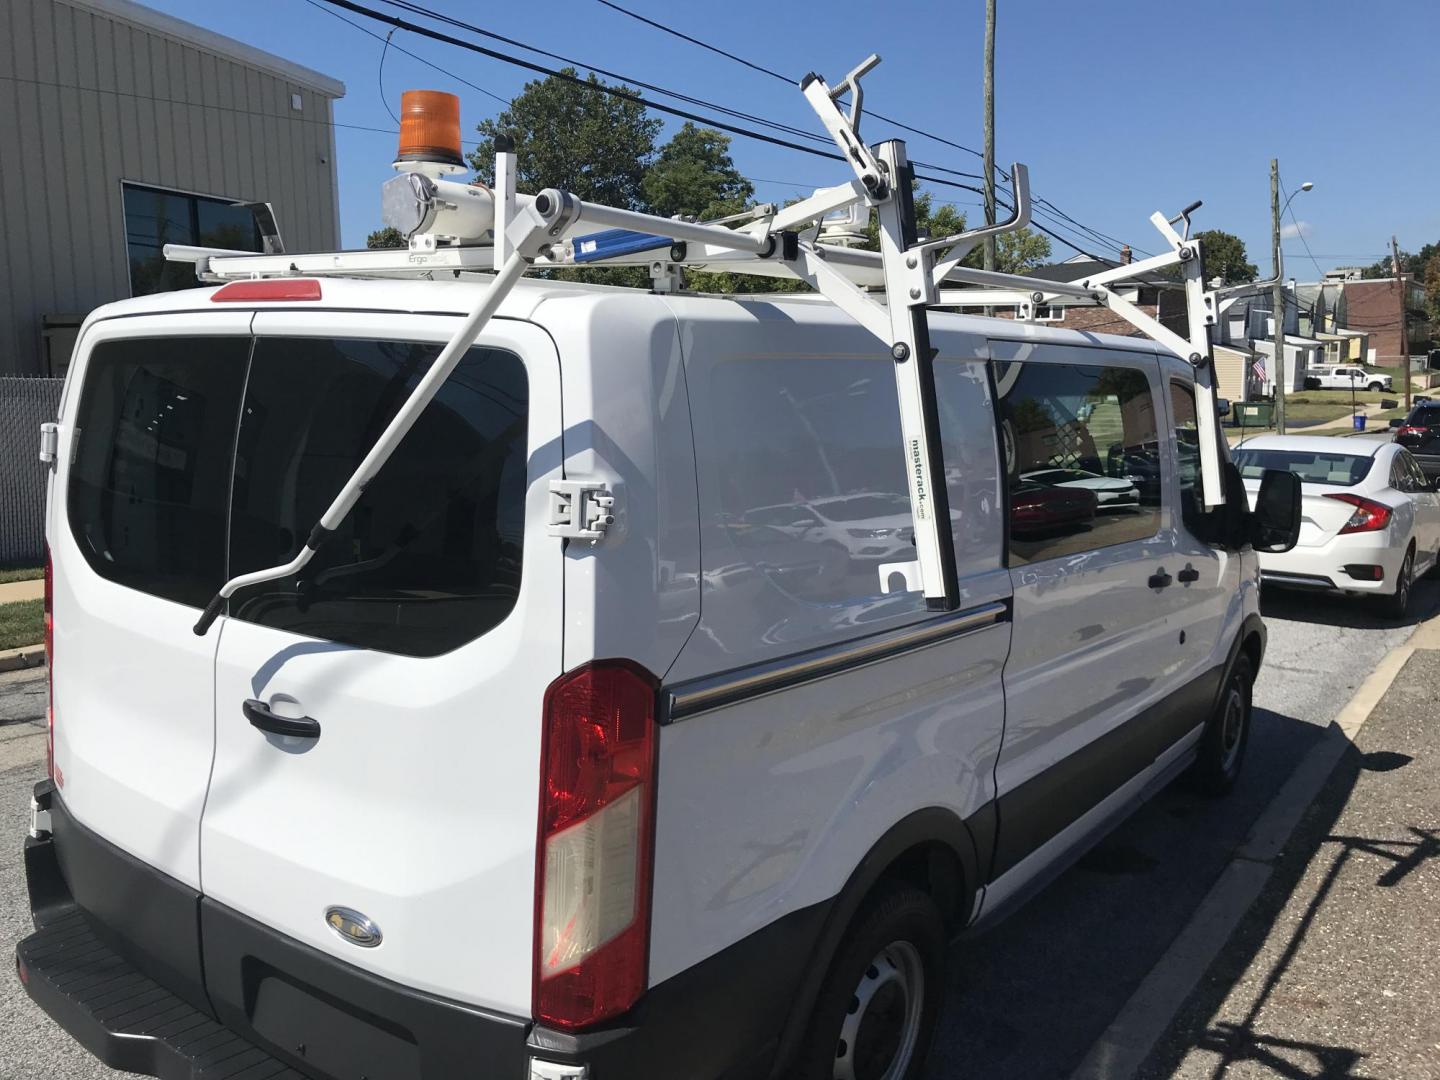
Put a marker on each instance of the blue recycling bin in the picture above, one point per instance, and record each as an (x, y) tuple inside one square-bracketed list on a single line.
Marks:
[(1359, 421)]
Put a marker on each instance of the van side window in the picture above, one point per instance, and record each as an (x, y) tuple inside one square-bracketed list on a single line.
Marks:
[(1082, 457), (430, 556), (1187, 454), (147, 488), (808, 473)]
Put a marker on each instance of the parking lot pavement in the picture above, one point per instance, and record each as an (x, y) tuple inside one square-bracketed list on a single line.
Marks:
[(1027, 999)]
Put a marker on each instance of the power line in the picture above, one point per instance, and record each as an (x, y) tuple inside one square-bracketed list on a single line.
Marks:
[(425, 12), (1294, 221), (1103, 238), (628, 95)]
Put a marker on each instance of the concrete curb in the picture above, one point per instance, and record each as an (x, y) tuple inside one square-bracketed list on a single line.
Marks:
[(27, 656), (1144, 1019)]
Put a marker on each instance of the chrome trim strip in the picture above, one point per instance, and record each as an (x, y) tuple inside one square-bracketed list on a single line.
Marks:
[(695, 696)]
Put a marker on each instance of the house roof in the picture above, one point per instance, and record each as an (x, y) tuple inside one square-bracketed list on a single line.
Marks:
[(1080, 267), (158, 22)]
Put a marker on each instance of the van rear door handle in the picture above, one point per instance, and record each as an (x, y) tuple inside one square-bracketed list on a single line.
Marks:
[(261, 716), (1160, 579), (1188, 575)]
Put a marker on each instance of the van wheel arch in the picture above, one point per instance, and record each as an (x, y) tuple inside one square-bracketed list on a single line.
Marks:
[(931, 849)]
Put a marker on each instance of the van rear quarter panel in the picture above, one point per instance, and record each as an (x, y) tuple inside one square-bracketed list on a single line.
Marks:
[(627, 422), (766, 806)]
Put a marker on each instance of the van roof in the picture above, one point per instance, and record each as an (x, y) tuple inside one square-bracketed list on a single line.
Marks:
[(459, 297)]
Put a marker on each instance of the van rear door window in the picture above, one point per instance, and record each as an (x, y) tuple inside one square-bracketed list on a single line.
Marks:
[(151, 471), (430, 556)]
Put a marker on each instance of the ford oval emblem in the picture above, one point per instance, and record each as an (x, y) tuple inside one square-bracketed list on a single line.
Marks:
[(355, 928)]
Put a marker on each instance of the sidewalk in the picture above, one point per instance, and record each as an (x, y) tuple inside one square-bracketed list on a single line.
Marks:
[(1234, 435), (1335, 972), (11, 591)]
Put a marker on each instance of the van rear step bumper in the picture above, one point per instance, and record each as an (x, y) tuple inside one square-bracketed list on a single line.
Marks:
[(260, 1006), (125, 1018)]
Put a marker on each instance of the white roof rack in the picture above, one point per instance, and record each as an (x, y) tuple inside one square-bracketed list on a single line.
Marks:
[(455, 229)]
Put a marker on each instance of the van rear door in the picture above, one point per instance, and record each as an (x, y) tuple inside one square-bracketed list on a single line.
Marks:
[(137, 543), (420, 641)]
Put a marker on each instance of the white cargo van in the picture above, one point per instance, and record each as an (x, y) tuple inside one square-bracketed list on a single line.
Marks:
[(704, 799), (453, 677)]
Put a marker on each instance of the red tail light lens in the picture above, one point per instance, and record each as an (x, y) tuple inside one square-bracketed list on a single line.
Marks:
[(593, 864), (1369, 515), (50, 769)]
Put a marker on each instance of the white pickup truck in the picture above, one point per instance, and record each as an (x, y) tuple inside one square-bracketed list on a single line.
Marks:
[(1344, 377)]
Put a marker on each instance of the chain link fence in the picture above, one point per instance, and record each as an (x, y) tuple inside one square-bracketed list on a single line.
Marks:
[(25, 404)]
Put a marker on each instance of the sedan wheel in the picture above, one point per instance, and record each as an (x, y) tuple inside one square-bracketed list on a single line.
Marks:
[(1398, 604)]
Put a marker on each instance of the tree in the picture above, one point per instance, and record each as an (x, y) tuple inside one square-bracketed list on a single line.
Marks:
[(1225, 257), (575, 137), (387, 237), (694, 175), (1019, 252), (1432, 289)]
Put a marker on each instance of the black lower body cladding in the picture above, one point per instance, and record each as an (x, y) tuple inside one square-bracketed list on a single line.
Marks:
[(154, 978)]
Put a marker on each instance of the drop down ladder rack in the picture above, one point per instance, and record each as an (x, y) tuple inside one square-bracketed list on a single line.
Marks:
[(455, 229)]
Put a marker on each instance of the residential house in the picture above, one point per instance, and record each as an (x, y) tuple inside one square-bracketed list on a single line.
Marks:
[(1377, 306), (1245, 329)]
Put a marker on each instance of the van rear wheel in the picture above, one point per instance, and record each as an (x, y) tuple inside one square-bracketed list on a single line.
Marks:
[(877, 1007), (1222, 746)]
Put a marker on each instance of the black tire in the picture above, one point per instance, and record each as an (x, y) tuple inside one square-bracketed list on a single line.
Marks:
[(1397, 604), (866, 1018), (1222, 747), (1376, 388)]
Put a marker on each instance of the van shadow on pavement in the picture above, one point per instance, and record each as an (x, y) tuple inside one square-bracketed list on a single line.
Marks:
[(1029, 998)]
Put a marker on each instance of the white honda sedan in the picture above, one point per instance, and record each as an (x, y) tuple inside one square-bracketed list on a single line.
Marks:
[(1369, 519)]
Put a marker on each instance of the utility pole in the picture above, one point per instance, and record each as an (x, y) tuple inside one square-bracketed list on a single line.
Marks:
[(1404, 330), (1277, 297), (990, 130)]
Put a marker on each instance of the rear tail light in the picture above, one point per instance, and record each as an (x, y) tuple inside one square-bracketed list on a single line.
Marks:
[(593, 863), (1369, 515), (50, 769)]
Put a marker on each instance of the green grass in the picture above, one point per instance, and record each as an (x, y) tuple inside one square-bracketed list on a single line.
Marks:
[(1336, 397), (22, 623), (30, 573)]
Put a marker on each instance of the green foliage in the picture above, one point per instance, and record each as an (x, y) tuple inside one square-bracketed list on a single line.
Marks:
[(1018, 252), (388, 237), (695, 176), (1225, 257), (574, 137)]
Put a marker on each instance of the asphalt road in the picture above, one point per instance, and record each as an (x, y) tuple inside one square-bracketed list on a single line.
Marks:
[(1027, 999)]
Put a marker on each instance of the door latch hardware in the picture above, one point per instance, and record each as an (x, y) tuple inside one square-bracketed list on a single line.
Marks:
[(580, 510)]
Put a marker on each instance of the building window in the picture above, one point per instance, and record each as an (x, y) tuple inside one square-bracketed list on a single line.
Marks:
[(1049, 313), (155, 217)]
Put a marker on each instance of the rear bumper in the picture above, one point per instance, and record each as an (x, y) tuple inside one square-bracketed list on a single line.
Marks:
[(1323, 566), (263, 1005)]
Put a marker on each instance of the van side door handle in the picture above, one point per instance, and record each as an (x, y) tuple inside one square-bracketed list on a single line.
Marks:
[(261, 716), (1160, 579), (1189, 575)]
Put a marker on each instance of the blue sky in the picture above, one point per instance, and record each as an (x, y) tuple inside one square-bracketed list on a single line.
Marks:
[(1118, 109)]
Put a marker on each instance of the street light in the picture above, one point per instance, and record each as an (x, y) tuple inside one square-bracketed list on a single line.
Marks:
[(1277, 298)]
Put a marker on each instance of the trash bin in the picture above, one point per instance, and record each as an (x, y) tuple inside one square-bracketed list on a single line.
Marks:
[(1253, 413), (1359, 419)]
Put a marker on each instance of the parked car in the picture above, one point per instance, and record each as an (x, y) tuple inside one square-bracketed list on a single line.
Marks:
[(466, 797), (1348, 377), (1370, 519), (1419, 433), (1111, 492), (1037, 508)]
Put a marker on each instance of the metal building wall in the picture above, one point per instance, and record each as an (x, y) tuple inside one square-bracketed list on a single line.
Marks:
[(87, 100)]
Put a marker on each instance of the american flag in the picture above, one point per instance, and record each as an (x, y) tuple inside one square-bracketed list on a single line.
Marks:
[(1258, 367)]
